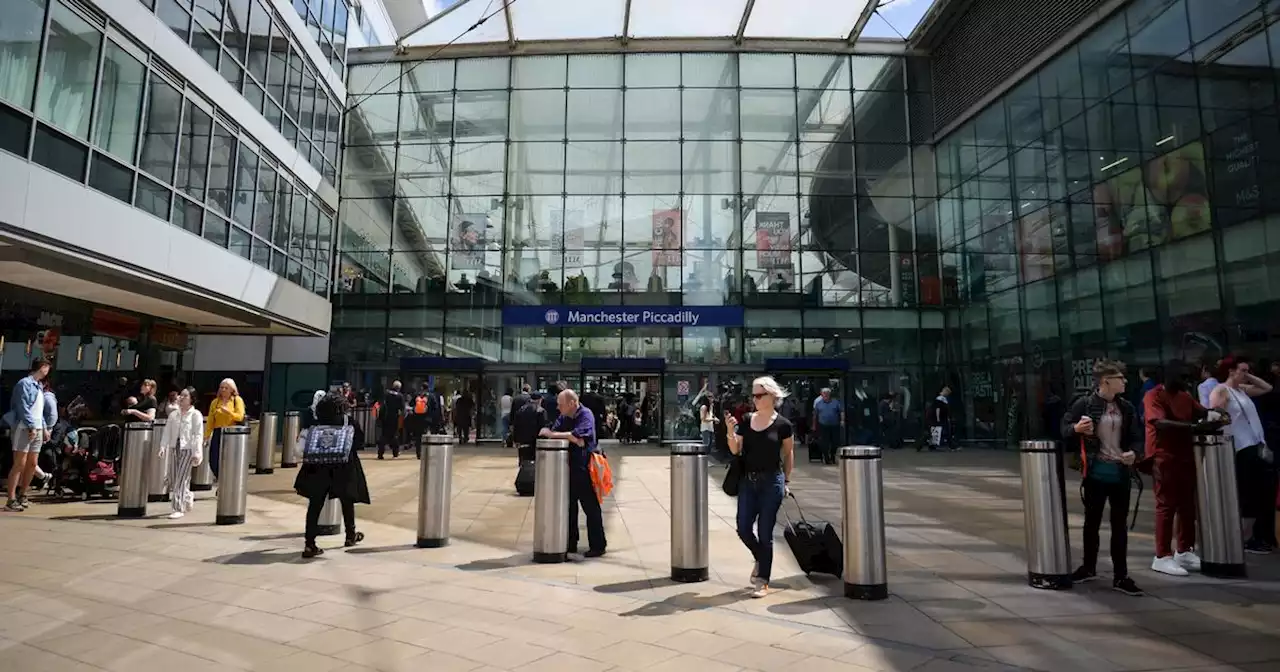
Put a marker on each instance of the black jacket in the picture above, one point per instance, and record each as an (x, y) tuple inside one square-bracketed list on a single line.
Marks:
[(335, 481), (392, 408), (1132, 433), (526, 423)]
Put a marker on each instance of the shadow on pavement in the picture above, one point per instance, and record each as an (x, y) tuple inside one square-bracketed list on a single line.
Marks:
[(490, 564), (273, 537), (92, 517), (632, 586), (264, 557), (177, 526), (685, 602), (373, 550)]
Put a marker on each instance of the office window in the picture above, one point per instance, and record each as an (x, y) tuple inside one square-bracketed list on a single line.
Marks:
[(111, 178), (71, 63), (160, 138), (119, 103), (246, 183), (59, 152), (153, 197), (278, 68), (307, 105), (174, 16), (294, 84), (208, 13), (235, 35), (264, 211), (284, 197), (221, 161), (193, 155), (19, 50), (259, 41)]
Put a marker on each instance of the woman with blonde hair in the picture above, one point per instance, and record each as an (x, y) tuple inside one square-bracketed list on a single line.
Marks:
[(227, 410), (767, 453)]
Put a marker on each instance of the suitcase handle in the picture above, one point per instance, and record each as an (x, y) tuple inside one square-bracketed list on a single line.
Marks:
[(799, 510)]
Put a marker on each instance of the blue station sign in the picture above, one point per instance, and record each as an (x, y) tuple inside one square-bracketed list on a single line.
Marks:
[(622, 316)]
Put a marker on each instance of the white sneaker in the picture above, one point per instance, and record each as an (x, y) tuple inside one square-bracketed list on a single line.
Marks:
[(1188, 561), (1168, 565), (176, 515), (761, 591)]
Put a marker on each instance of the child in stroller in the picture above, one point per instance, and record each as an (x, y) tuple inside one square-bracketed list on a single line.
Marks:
[(88, 465)]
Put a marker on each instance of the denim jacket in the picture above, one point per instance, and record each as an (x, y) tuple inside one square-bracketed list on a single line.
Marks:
[(21, 410)]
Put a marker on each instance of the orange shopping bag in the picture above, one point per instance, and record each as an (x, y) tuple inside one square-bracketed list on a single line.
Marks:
[(601, 476)]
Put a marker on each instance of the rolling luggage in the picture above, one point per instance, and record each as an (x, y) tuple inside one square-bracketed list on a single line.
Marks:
[(816, 546), (524, 478), (815, 451)]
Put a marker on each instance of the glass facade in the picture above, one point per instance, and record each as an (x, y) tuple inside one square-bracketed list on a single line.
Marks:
[(98, 108), (248, 43), (772, 198), (1121, 202)]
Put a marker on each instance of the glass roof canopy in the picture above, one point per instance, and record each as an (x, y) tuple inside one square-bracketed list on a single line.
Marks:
[(514, 21)]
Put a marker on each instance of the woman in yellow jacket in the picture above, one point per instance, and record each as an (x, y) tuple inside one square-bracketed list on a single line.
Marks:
[(226, 410)]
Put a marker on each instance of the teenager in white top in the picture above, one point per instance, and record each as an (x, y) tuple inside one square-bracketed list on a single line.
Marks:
[(1207, 384), (707, 424), (1255, 478), (184, 434)]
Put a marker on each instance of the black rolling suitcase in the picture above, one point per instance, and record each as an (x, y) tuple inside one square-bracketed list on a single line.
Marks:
[(816, 545), (815, 451), (524, 479)]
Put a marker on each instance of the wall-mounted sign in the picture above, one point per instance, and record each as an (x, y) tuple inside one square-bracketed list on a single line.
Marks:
[(622, 316)]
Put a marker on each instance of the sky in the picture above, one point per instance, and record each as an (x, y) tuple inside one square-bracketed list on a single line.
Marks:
[(894, 19)]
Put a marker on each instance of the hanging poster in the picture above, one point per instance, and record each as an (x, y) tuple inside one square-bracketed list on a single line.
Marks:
[(666, 237), (773, 240), (467, 241)]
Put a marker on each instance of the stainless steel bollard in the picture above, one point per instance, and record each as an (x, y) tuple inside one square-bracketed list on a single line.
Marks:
[(551, 501), (435, 491), (866, 575), (330, 518), (1045, 517), (690, 537), (266, 460), (233, 476), (1221, 539), (202, 475), (363, 418), (290, 454), (158, 467), (133, 470)]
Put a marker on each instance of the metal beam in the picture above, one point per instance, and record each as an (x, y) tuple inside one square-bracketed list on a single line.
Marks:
[(511, 31), (863, 18), (449, 10), (626, 24), (742, 23)]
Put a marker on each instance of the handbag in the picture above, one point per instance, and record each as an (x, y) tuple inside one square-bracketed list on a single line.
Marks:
[(733, 476), (328, 444)]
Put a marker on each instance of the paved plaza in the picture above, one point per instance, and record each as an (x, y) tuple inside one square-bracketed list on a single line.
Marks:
[(85, 591)]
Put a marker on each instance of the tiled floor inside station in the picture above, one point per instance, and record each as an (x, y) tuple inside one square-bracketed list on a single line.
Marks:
[(83, 590)]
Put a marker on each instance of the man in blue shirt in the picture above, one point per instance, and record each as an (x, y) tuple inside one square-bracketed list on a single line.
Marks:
[(828, 423), (577, 425)]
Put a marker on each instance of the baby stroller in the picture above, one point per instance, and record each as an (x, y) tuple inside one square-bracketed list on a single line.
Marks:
[(89, 468)]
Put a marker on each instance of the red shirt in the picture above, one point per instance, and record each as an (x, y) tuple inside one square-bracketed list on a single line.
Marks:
[(1160, 404)]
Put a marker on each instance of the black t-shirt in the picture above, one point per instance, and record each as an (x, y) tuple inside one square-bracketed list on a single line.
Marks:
[(762, 451), (145, 404)]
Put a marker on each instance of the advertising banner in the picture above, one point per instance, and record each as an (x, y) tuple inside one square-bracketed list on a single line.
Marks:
[(667, 225), (773, 240), (1165, 199), (622, 316), (467, 241)]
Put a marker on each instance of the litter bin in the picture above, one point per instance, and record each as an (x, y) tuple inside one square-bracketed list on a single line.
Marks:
[(435, 490), (866, 574), (690, 543), (233, 476), (1221, 539), (157, 466), (132, 501), (551, 501), (290, 454), (1045, 516)]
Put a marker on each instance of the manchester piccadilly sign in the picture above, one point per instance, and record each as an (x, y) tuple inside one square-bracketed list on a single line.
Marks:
[(622, 316)]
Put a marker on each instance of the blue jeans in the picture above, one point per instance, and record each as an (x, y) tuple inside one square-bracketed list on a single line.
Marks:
[(759, 498), (709, 441)]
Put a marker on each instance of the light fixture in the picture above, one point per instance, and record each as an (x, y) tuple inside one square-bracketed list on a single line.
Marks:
[(1166, 140), (119, 352), (1118, 162), (79, 352), (99, 365), (28, 347), (135, 361)]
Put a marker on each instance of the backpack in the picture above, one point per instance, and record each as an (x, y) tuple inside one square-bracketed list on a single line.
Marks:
[(420, 405)]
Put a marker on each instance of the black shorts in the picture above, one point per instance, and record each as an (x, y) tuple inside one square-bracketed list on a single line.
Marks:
[(1254, 478)]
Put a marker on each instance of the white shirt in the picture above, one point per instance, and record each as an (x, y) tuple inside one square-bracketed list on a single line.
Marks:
[(185, 431), (1205, 389), (37, 411), (505, 404), (707, 422), (1245, 428)]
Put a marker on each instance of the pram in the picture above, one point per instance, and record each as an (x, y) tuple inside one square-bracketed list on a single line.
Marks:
[(89, 466)]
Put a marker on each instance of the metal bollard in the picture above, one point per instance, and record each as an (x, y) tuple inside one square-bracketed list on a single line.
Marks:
[(435, 491), (233, 476), (158, 467), (866, 574), (1044, 511), (551, 501), (202, 475), (690, 537), (1221, 539), (330, 518), (133, 470), (363, 418), (265, 462), (289, 450)]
